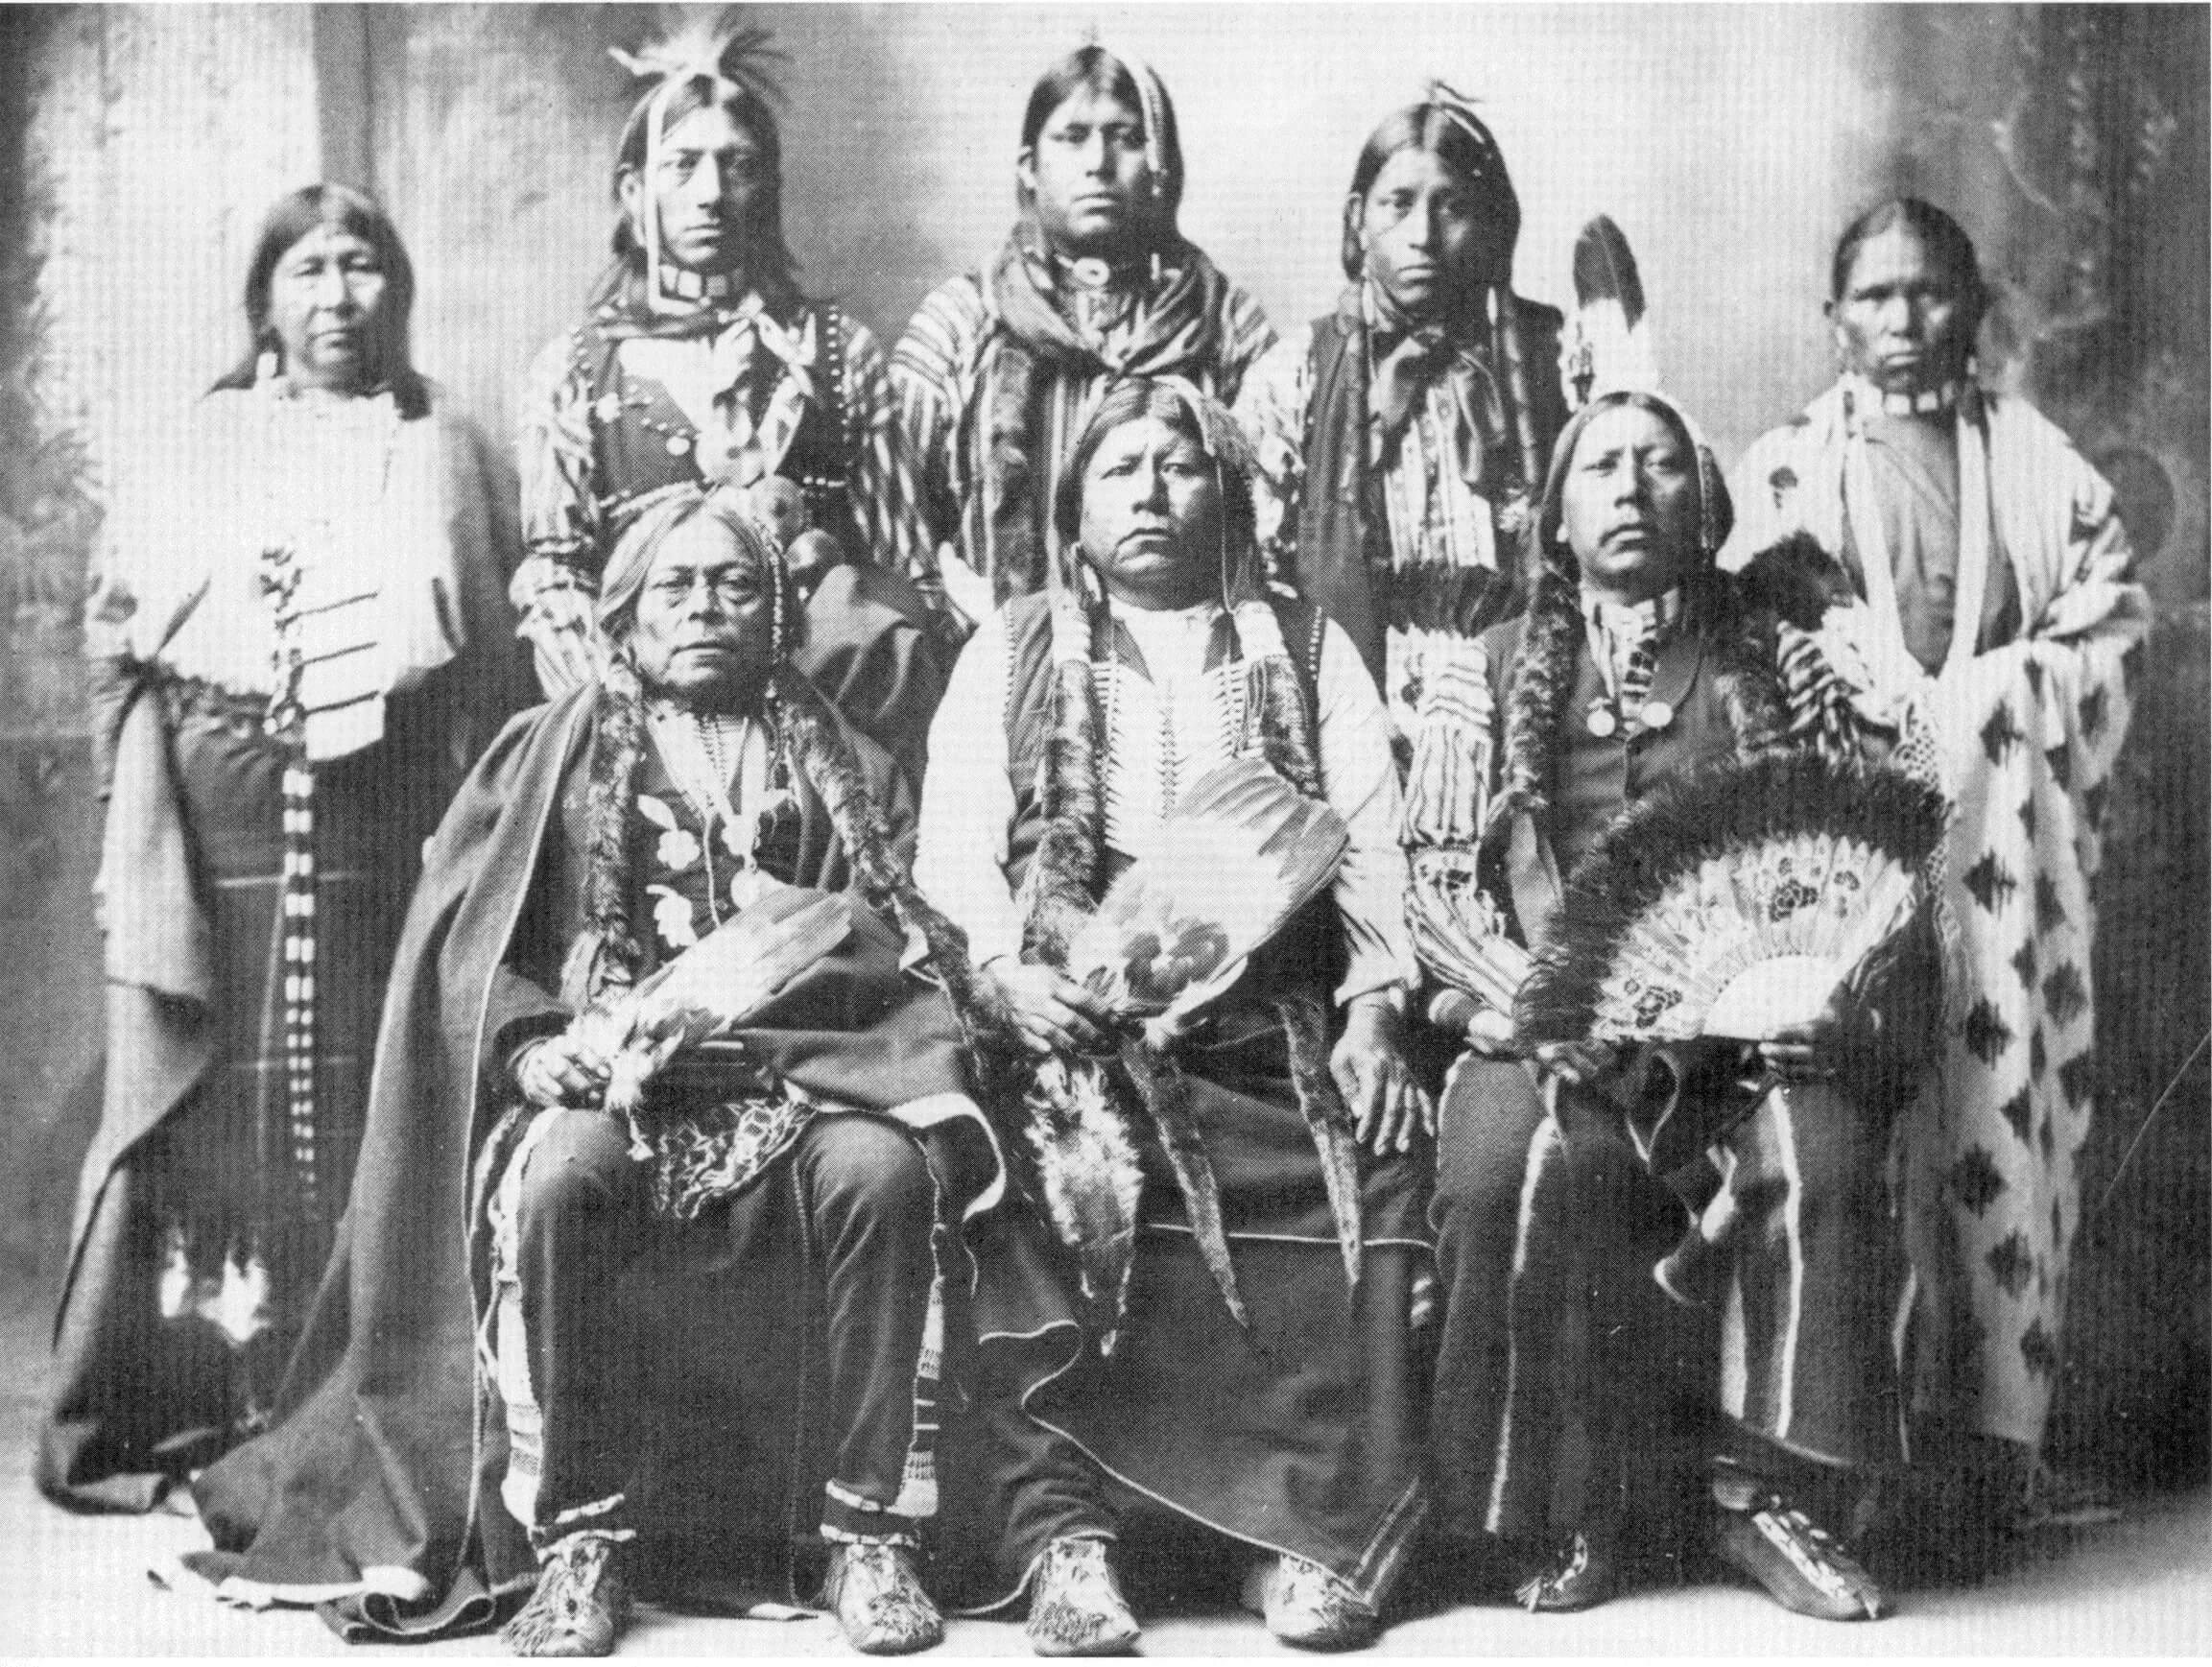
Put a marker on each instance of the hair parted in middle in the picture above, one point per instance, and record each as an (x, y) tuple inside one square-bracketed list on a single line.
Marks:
[(1101, 70), (1446, 126), (339, 208)]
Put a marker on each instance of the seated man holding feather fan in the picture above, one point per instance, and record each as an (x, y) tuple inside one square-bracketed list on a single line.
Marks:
[(1639, 820), (1162, 807), (666, 1145)]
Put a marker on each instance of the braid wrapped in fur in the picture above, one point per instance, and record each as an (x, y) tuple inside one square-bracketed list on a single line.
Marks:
[(1063, 879), (605, 956), (1018, 385)]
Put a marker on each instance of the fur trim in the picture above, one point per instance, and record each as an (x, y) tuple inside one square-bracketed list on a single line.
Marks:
[(1795, 579), (1745, 669), (606, 955), (1063, 890), (1328, 1119), (1017, 514), (1072, 1158), (1543, 681), (1277, 705)]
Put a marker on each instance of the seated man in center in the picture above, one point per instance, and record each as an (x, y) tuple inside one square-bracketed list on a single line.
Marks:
[(700, 1274), (1073, 719)]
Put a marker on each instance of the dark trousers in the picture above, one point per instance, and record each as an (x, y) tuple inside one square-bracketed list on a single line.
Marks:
[(572, 1216), (1554, 1334), (1550, 1224)]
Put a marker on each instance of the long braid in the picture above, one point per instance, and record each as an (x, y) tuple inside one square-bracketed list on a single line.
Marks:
[(1543, 682)]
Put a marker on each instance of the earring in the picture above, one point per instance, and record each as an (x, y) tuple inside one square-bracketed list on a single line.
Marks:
[(267, 366)]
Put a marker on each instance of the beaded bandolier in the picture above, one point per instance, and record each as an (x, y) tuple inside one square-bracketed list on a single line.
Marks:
[(642, 441)]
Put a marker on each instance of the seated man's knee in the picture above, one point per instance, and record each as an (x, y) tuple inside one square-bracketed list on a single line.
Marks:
[(576, 1164), (1490, 1128), (864, 1168)]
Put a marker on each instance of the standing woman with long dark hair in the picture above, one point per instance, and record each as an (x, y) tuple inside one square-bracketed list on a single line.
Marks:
[(299, 639)]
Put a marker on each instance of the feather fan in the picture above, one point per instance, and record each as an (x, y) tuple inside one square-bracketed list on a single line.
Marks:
[(1735, 903), (1610, 347), (714, 987), (1239, 854)]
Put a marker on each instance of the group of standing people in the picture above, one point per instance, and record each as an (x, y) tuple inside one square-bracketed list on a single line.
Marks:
[(463, 1271)]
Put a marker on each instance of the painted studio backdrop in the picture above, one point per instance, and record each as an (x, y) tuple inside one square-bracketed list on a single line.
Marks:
[(140, 145)]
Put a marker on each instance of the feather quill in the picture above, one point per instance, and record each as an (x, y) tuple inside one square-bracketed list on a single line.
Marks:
[(1159, 1083), (1329, 1121)]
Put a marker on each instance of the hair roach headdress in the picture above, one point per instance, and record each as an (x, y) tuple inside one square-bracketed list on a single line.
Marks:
[(711, 45)]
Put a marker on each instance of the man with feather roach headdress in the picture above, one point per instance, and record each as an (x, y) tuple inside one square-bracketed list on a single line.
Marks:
[(648, 1277), (700, 359), (1628, 727), (998, 368), (1207, 1315), (1402, 438)]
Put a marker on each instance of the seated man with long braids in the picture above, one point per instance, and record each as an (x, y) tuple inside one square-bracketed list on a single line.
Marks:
[(1566, 1164), (583, 1339), (1224, 1374)]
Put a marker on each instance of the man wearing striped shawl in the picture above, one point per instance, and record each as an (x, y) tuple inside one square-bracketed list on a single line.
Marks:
[(999, 369)]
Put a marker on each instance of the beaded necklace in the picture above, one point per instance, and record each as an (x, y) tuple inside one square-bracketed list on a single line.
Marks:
[(704, 752)]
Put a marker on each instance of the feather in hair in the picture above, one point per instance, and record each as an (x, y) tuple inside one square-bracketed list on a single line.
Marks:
[(703, 41), (1611, 346)]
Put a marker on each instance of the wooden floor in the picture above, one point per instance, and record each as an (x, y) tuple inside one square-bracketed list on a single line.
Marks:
[(74, 1586)]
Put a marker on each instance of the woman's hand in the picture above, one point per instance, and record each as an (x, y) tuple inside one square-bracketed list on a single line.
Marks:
[(1585, 1064), (562, 1071), (1055, 1013), (1370, 1065), (563, 639)]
